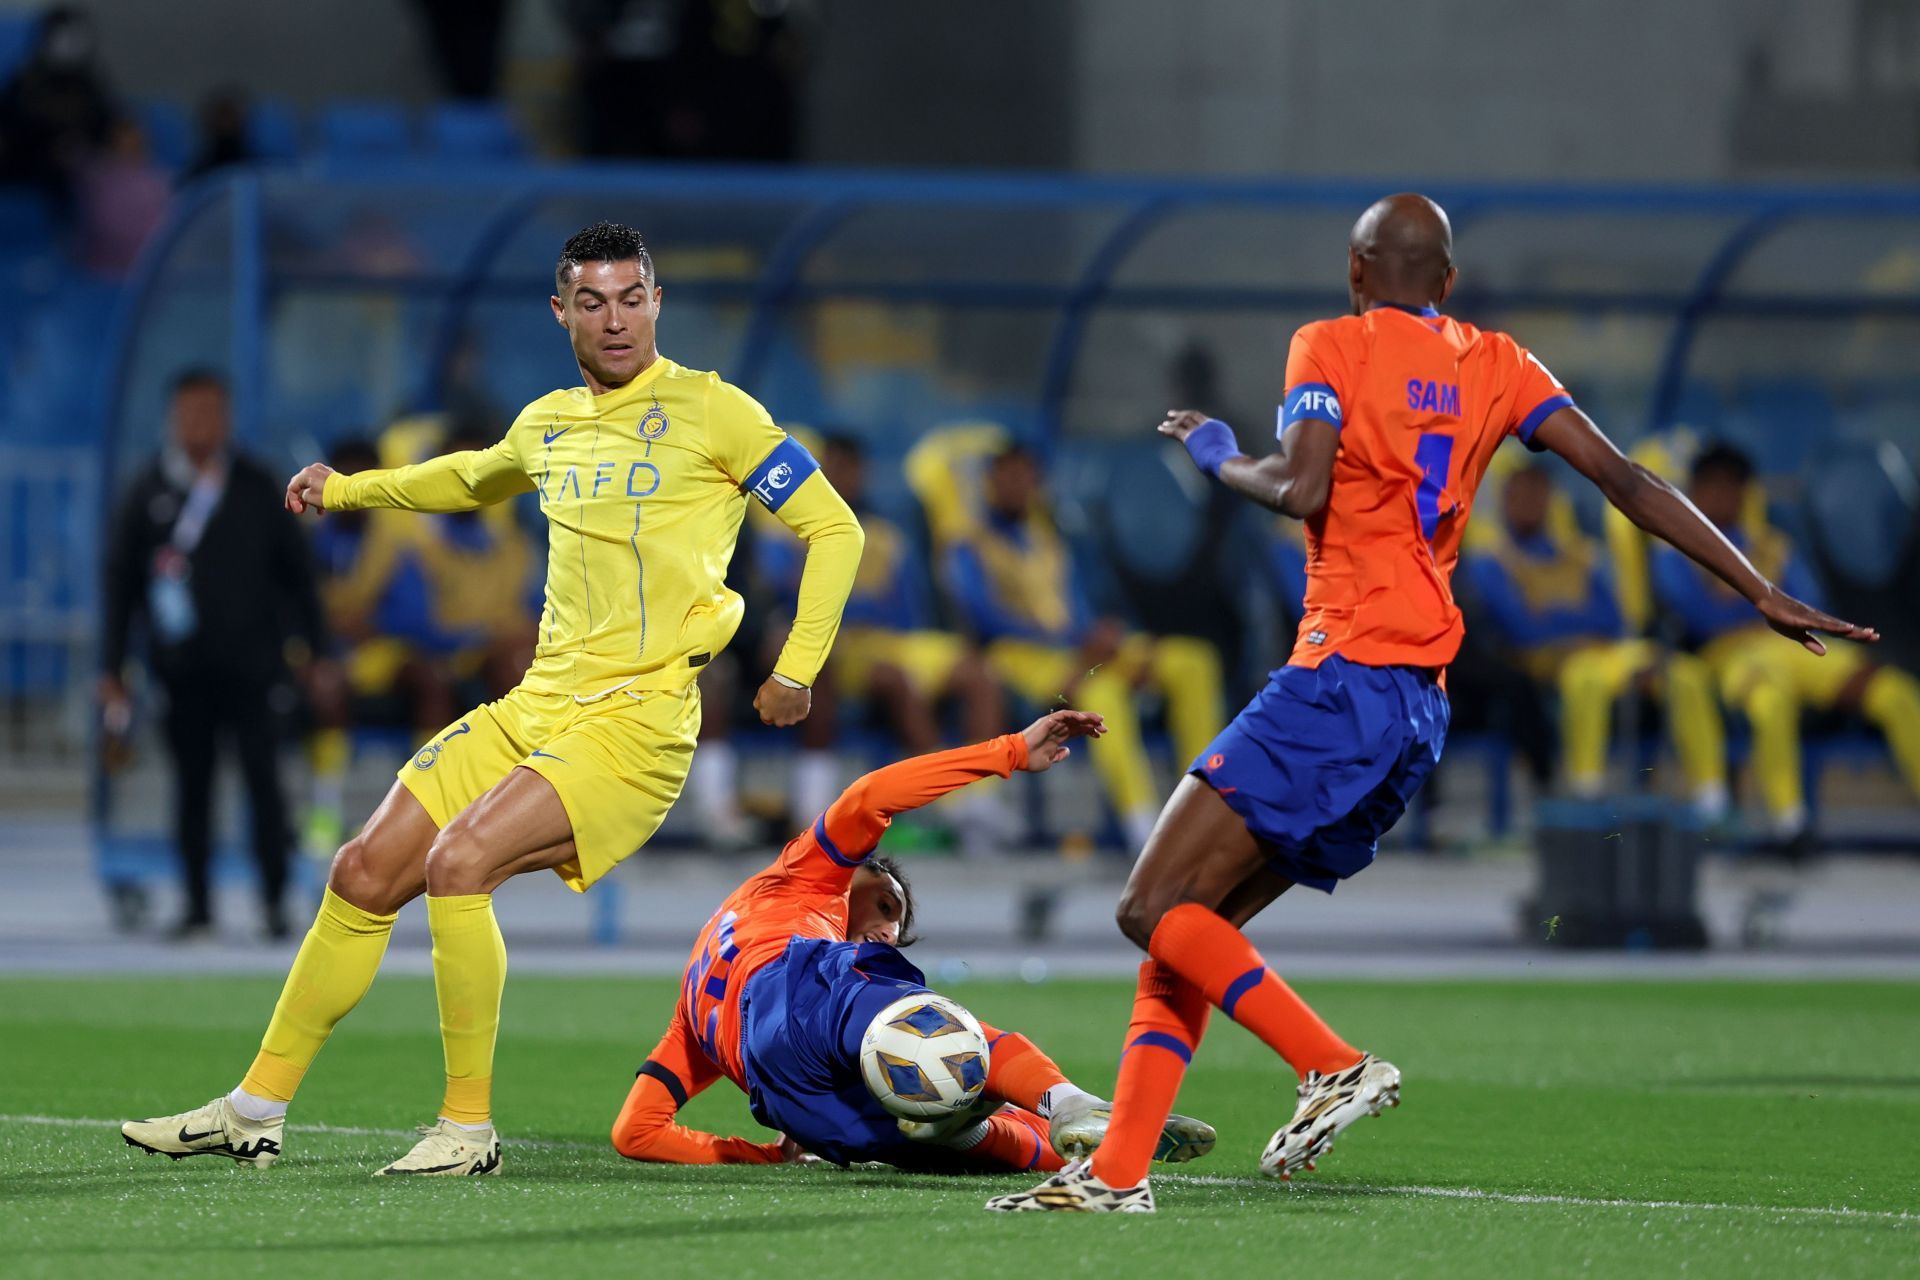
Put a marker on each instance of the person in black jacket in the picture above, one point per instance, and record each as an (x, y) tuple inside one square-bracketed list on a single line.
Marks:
[(206, 565)]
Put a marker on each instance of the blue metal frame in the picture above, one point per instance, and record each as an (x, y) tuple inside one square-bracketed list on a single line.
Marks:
[(829, 198)]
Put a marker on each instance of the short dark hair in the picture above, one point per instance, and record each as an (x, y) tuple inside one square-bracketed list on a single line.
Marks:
[(197, 377), (887, 866), (1721, 461), (602, 242)]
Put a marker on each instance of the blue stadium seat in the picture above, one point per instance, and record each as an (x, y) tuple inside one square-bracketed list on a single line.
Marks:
[(366, 130), (1863, 505), (473, 131), (169, 132), (1777, 419), (1699, 407), (273, 130)]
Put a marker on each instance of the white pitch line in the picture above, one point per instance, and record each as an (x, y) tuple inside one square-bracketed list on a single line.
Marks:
[(1197, 1179), (1581, 1202)]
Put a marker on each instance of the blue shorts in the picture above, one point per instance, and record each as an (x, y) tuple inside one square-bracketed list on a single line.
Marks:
[(802, 1018), (1325, 759)]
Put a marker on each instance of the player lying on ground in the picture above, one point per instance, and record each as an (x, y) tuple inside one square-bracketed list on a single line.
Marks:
[(1389, 420), (643, 475), (798, 961)]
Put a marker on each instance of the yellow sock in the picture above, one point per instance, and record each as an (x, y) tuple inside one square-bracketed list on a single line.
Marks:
[(335, 967), (1188, 672), (1693, 721), (1120, 758), (1892, 701), (469, 974), (329, 751)]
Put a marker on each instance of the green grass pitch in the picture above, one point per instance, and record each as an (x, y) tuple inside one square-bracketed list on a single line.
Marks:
[(1594, 1129)]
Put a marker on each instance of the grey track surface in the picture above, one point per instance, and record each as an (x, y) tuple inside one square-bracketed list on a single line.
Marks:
[(1407, 917)]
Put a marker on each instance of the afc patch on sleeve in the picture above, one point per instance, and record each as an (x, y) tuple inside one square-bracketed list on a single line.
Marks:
[(1314, 400), (783, 471)]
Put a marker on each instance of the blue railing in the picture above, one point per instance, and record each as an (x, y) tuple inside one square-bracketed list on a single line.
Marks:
[(487, 207)]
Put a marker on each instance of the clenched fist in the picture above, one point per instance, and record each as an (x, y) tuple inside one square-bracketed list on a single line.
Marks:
[(307, 487)]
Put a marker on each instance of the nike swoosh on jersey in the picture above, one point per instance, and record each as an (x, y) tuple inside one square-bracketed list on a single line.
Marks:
[(546, 755), (550, 436)]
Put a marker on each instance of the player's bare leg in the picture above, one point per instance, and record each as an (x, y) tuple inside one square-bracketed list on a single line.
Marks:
[(1201, 877), (519, 825), (372, 877)]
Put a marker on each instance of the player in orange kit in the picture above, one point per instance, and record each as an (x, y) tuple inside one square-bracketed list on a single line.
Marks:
[(789, 972), (1390, 417)]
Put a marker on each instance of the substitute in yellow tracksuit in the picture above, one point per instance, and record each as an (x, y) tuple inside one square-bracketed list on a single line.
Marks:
[(1014, 578), (1765, 680), (1546, 591)]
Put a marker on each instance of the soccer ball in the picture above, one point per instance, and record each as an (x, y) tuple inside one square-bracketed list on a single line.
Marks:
[(924, 1057)]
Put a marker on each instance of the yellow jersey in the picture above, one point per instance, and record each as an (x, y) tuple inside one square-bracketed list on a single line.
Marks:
[(644, 488)]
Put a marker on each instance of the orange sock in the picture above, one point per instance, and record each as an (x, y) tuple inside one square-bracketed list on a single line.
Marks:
[(1169, 1018), (1017, 1139), (1017, 1070), (1217, 958)]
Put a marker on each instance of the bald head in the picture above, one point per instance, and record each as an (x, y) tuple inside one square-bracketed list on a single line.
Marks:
[(1400, 251)]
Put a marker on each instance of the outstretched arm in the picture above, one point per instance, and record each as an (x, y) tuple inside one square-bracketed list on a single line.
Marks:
[(824, 521), (673, 1073), (856, 821), (1663, 511), (451, 482), (1293, 480)]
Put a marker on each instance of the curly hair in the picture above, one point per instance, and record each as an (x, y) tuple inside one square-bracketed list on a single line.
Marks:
[(602, 242), (882, 863)]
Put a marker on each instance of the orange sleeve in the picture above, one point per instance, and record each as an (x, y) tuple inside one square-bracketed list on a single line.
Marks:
[(1315, 382), (1017, 1070), (674, 1072), (1538, 397), (848, 831)]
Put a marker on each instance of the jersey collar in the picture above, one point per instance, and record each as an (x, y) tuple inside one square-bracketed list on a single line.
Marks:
[(622, 395), (1428, 313)]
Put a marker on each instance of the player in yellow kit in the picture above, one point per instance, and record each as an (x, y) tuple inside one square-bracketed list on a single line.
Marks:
[(644, 475)]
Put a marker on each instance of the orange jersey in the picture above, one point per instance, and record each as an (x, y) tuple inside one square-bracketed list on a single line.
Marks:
[(804, 893), (1421, 402)]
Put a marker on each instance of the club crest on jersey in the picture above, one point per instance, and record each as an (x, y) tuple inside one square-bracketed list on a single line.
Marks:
[(653, 423)]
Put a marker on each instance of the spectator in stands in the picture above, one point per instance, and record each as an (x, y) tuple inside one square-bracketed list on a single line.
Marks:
[(223, 134), (205, 564), (1013, 577), (1768, 682), (1544, 588), (123, 197), (56, 111)]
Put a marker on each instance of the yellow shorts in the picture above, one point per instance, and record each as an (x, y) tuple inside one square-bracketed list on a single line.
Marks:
[(373, 665), (618, 764), (1745, 659), (927, 657)]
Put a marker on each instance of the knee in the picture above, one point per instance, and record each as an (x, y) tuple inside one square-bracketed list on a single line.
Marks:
[(359, 876), (973, 678), (1139, 913), (1186, 662), (455, 864), (1771, 706), (887, 682)]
